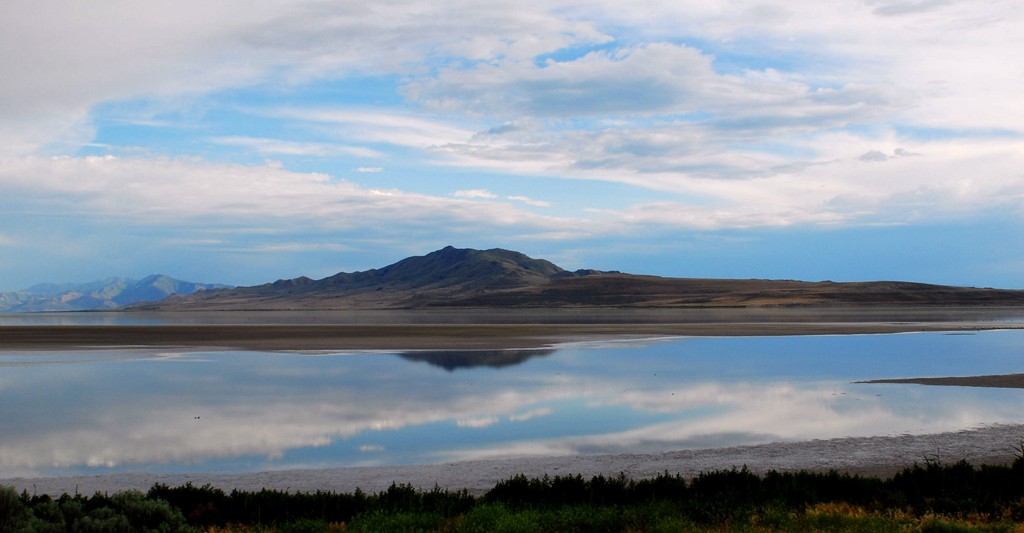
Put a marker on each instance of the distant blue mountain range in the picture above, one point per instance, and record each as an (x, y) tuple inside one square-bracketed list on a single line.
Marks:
[(106, 293)]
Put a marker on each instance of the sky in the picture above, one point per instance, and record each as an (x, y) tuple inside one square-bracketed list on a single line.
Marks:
[(241, 142)]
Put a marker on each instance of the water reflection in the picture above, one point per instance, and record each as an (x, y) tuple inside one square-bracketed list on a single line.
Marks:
[(452, 360), (242, 411), (528, 316)]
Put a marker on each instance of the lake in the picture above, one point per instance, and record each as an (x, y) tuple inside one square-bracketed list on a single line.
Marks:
[(163, 411)]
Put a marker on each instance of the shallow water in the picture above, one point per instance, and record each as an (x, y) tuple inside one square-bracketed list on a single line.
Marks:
[(65, 413), (529, 316)]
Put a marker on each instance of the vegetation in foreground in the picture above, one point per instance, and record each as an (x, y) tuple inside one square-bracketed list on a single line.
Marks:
[(928, 497)]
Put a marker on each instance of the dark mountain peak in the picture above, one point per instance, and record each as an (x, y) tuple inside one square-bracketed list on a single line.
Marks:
[(458, 269), (476, 269)]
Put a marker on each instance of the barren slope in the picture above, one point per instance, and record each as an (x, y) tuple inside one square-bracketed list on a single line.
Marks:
[(501, 278)]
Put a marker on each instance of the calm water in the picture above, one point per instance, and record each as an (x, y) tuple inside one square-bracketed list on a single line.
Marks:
[(100, 412), (531, 316)]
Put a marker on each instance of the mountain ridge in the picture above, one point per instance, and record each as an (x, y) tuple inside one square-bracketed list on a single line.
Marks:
[(468, 278), (106, 293), (445, 275)]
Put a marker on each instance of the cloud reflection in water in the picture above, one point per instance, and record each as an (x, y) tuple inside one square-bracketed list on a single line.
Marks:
[(238, 411)]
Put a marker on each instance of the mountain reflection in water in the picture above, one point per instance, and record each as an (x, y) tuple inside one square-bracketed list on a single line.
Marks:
[(452, 360), (221, 411)]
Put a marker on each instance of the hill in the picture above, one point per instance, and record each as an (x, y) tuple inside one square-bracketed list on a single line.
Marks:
[(443, 277), (454, 277), (107, 293)]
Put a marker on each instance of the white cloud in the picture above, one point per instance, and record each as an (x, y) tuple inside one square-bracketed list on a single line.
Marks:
[(476, 423), (873, 156), (732, 142), (488, 195), (529, 201), (905, 7), (61, 59), (475, 193), (654, 79), (382, 126), (276, 146), (531, 414), (173, 191), (941, 180), (942, 53), (369, 170)]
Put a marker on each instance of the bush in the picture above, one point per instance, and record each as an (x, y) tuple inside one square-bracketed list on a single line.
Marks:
[(932, 497), (11, 508)]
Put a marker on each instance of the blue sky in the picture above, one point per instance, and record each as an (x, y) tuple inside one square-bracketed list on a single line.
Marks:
[(243, 142)]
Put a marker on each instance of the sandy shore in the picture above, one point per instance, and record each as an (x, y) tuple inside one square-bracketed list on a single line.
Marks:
[(294, 337), (875, 456)]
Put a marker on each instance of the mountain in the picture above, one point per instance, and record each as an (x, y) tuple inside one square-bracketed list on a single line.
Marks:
[(454, 277), (106, 293), (438, 278)]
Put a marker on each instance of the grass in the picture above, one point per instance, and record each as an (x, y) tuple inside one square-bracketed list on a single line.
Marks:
[(924, 497)]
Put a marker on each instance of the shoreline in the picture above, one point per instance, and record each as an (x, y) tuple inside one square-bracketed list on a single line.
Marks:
[(880, 456), (1000, 381), (297, 337)]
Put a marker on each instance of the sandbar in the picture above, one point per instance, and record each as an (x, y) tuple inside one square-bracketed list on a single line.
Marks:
[(1003, 381)]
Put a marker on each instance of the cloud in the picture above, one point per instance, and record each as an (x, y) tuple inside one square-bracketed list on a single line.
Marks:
[(172, 192), (488, 195), (649, 80), (905, 7), (873, 156), (953, 178), (276, 146), (456, 54), (761, 115), (529, 201), (902, 152), (380, 126), (475, 193), (877, 155), (60, 60), (531, 414), (476, 423), (369, 170)]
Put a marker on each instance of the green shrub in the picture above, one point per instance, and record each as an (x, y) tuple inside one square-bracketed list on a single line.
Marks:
[(11, 508), (378, 521)]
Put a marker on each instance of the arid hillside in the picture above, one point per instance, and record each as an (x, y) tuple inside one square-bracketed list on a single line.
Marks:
[(462, 278)]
